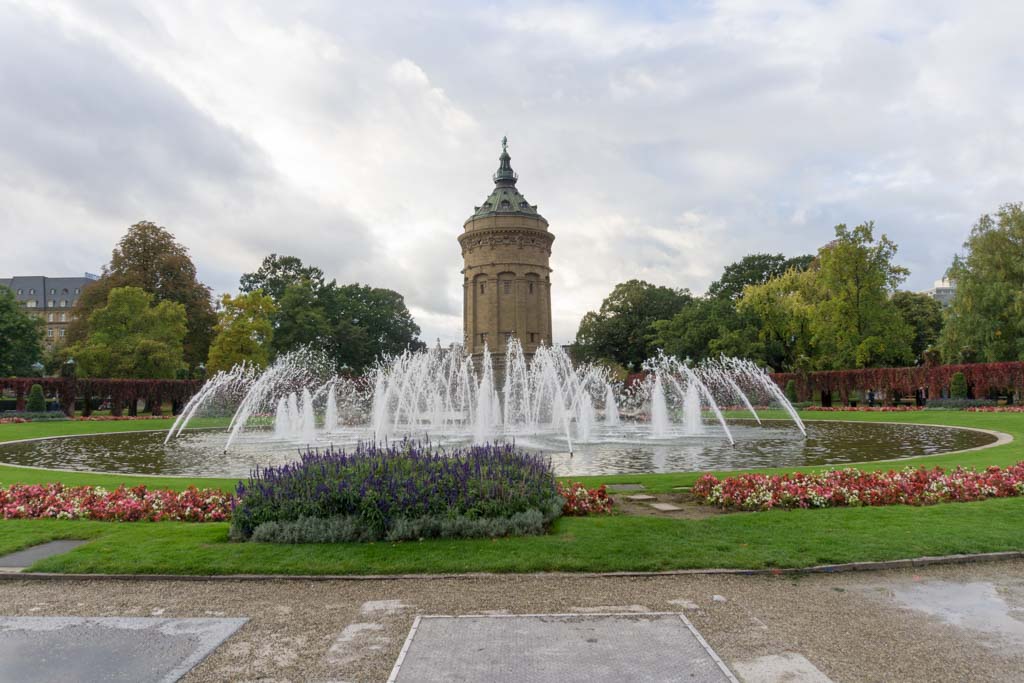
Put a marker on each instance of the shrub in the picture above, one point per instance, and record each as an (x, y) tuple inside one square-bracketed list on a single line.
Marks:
[(36, 401), (791, 391), (350, 528), (397, 491), (958, 385), (958, 403)]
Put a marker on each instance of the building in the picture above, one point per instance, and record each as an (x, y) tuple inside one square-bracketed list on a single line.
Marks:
[(49, 298), (943, 291), (506, 248)]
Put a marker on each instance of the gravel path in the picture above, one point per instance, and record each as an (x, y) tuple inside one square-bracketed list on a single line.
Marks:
[(951, 622)]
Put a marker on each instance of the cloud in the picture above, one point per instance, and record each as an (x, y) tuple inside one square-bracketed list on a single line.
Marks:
[(660, 141)]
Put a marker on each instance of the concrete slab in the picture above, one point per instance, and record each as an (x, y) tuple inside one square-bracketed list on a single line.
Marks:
[(641, 497), (29, 556), (625, 487), (61, 649), (789, 667), (665, 507), (653, 647)]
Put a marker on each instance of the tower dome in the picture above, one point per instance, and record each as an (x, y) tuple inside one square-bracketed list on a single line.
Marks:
[(506, 249)]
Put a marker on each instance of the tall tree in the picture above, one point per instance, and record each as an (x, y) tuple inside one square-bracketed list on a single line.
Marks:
[(855, 324), (148, 257), (986, 318), (924, 315), (622, 330), (784, 307), (20, 336), (276, 273), (754, 269), (132, 336), (354, 324), (380, 314), (244, 331)]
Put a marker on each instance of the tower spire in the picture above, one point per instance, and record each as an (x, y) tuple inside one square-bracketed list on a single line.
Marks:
[(505, 175)]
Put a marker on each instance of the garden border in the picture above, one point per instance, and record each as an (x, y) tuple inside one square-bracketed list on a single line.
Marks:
[(879, 565)]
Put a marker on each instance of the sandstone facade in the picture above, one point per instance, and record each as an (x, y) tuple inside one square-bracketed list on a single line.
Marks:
[(506, 249)]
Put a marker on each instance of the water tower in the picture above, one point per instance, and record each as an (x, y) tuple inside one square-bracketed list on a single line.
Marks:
[(506, 249)]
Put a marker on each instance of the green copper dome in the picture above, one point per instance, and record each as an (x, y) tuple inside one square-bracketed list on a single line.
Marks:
[(505, 199)]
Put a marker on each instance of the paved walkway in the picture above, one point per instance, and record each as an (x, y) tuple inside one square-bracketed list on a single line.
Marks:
[(953, 622)]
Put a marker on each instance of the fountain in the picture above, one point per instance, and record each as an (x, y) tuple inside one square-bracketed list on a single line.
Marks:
[(440, 395)]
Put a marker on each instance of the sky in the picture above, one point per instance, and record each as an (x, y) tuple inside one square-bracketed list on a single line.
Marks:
[(661, 140)]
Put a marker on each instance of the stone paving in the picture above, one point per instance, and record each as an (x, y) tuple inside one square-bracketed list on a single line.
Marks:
[(948, 622), (129, 649), (600, 648), (22, 559)]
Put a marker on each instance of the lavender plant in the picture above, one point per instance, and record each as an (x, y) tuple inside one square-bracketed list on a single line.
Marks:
[(385, 487)]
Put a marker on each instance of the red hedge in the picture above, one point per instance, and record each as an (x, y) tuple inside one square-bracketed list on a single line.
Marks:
[(121, 392), (981, 377)]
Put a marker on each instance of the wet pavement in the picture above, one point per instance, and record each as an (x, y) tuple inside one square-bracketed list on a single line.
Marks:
[(962, 622)]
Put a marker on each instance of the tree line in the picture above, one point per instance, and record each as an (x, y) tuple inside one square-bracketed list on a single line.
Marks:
[(839, 308), (148, 316)]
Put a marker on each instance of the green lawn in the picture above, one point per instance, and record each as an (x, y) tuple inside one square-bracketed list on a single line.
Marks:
[(616, 543)]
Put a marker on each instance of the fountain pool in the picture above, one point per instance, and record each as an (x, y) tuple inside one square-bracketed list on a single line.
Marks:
[(587, 422)]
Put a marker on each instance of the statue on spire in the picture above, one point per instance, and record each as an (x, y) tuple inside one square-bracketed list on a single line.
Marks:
[(504, 143)]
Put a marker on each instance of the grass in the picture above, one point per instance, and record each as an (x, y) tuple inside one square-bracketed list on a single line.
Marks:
[(794, 538)]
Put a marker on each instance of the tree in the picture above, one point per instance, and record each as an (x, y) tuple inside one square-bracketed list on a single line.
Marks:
[(754, 269), (20, 336), (354, 324), (36, 401), (784, 306), (382, 316), (148, 257), (622, 330), (133, 337), (277, 273), (958, 385), (855, 324), (244, 331), (924, 315), (707, 328), (985, 321)]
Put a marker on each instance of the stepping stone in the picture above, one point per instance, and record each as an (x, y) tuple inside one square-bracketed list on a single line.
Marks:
[(107, 648), (22, 559), (625, 487), (641, 497), (665, 507), (650, 647)]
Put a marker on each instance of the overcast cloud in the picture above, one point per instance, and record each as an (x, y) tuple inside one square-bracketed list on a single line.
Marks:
[(661, 141)]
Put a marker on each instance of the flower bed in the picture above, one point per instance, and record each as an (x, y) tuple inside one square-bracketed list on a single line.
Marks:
[(56, 501), (120, 418), (864, 409), (853, 487), (996, 409), (56, 416), (398, 492), (579, 500)]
